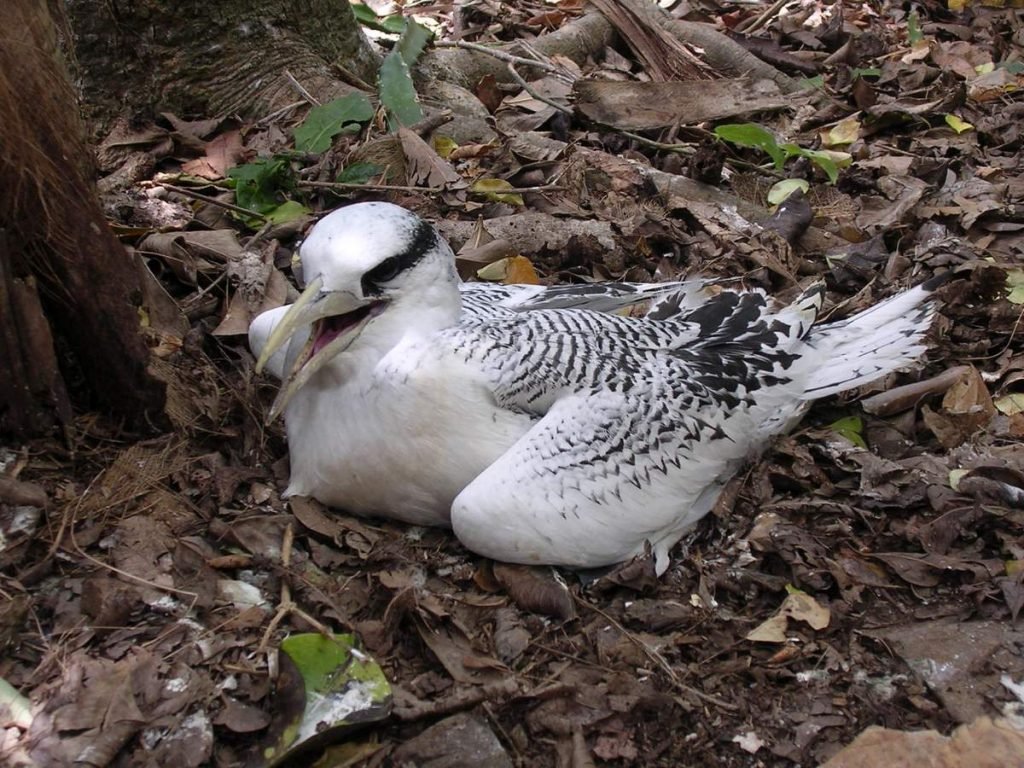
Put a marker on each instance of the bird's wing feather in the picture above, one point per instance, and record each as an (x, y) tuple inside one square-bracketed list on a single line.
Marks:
[(481, 300), (648, 416)]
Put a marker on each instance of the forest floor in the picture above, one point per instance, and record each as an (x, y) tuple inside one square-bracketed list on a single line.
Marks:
[(867, 571)]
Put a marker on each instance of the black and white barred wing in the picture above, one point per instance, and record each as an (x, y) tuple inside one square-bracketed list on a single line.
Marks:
[(486, 300), (641, 424)]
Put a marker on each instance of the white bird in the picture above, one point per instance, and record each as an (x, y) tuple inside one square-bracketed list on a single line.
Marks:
[(542, 432)]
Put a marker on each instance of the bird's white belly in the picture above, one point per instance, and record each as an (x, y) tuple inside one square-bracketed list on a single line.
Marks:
[(396, 444)]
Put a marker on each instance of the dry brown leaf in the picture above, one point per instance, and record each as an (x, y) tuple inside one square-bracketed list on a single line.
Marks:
[(240, 717), (966, 408), (771, 630), (423, 164), (797, 605), (511, 270), (223, 153), (458, 657), (982, 744), (803, 607), (536, 590)]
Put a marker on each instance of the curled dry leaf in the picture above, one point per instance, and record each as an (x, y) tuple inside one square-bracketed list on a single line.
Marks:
[(510, 271), (966, 408), (536, 590), (423, 164)]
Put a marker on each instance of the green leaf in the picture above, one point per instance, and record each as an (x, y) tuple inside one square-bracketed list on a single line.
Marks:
[(444, 145), (1015, 285), (343, 686), (818, 82), (753, 136), (1013, 67), (259, 185), (914, 33), (957, 124), (1011, 404), (325, 122), (18, 708), (412, 42), (825, 161), (498, 190), (393, 24), (397, 93), (779, 192), (287, 211), (955, 476), (358, 173), (852, 428)]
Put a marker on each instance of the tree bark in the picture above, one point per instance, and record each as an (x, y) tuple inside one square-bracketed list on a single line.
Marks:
[(235, 56), (213, 58), (32, 390), (57, 235)]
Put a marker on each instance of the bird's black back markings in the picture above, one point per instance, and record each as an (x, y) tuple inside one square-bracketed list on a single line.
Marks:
[(708, 360)]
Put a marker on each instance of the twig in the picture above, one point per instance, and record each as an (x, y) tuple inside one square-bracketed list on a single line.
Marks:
[(769, 13), (301, 89), (286, 605), (414, 708), (682, 149), (660, 660), (526, 87), (211, 200), (511, 58), (432, 122), (372, 187), (352, 78), (279, 112), (901, 398), (403, 188)]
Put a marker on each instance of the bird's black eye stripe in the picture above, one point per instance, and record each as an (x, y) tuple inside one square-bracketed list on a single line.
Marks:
[(385, 271), (423, 238)]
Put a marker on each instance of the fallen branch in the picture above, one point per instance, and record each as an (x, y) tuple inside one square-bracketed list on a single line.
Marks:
[(906, 397), (408, 707)]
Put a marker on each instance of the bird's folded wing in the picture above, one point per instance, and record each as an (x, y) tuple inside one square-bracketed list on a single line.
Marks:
[(598, 476), (489, 299), (642, 422)]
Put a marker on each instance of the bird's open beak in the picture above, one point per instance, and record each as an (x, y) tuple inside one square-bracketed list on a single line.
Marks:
[(337, 318)]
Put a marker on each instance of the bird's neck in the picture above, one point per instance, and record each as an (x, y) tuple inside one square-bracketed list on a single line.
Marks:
[(433, 309)]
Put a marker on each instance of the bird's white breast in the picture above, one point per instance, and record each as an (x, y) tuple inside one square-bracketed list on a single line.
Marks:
[(399, 438)]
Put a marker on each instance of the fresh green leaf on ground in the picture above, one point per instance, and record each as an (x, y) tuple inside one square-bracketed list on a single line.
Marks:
[(325, 122), (359, 173), (259, 185), (852, 428), (397, 92), (752, 136)]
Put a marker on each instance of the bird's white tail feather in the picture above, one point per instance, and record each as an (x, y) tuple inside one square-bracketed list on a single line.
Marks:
[(870, 344)]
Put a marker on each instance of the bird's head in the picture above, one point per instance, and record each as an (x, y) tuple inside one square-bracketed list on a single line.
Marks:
[(363, 260)]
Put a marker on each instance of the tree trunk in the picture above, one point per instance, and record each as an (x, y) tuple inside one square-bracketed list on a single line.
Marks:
[(56, 236), (214, 58), (235, 56)]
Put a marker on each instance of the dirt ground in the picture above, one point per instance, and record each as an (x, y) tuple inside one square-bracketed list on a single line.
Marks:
[(865, 572)]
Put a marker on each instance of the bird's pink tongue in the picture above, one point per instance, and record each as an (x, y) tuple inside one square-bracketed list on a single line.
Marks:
[(329, 331), (331, 328)]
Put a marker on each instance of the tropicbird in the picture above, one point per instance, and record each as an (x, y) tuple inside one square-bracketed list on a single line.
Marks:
[(541, 427)]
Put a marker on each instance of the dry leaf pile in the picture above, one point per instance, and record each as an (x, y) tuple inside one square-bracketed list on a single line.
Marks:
[(867, 572)]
